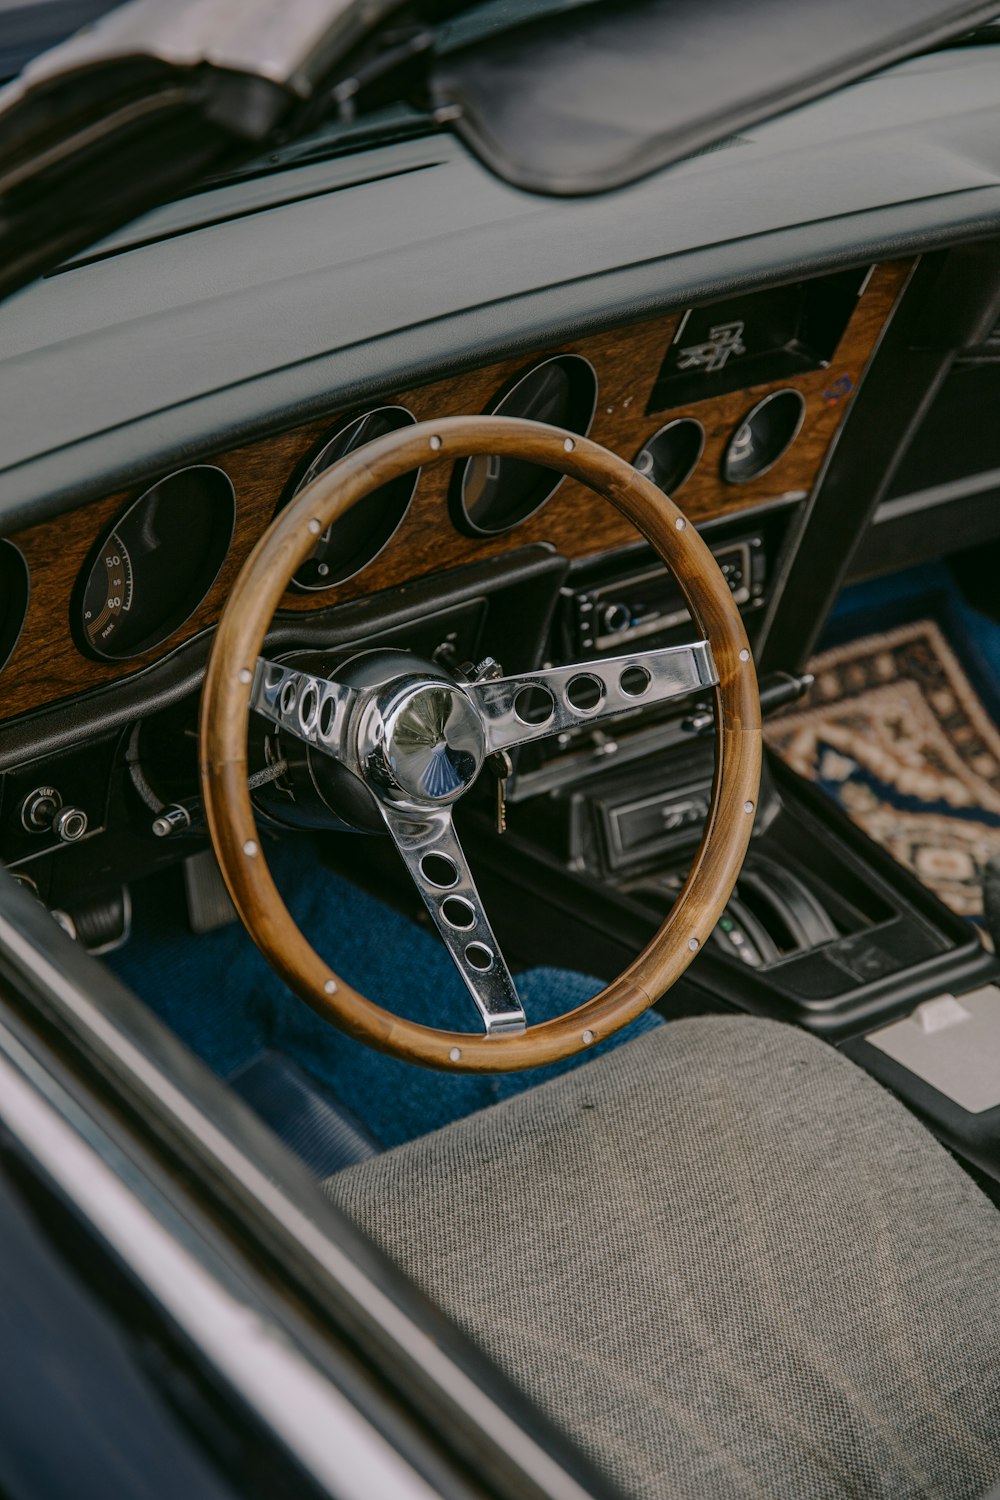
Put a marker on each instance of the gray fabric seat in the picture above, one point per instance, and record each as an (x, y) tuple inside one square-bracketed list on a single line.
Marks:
[(724, 1260)]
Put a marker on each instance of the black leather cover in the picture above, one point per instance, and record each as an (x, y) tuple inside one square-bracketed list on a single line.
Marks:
[(582, 102)]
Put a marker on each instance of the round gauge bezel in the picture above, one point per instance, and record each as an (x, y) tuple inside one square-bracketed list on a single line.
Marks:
[(194, 596), (671, 426), (772, 396), (306, 469), (15, 583), (499, 407)]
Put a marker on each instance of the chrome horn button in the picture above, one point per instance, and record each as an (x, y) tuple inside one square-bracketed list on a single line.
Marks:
[(427, 741)]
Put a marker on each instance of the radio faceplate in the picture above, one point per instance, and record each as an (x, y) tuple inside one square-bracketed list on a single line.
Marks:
[(609, 615)]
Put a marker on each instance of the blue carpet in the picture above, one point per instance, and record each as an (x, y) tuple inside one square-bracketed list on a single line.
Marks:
[(222, 998)]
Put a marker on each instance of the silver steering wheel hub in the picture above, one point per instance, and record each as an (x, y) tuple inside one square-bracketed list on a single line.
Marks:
[(422, 738)]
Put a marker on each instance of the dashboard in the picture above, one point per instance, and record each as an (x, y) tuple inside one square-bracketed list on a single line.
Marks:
[(741, 327), (733, 407)]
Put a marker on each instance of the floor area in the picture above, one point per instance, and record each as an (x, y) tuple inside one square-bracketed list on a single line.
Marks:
[(900, 728), (253, 1022)]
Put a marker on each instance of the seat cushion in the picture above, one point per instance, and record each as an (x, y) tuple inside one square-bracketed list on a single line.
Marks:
[(724, 1260)]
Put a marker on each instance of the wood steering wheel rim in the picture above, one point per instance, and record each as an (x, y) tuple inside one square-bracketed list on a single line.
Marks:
[(257, 594)]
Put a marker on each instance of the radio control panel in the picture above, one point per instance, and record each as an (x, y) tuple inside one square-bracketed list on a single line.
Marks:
[(611, 614)]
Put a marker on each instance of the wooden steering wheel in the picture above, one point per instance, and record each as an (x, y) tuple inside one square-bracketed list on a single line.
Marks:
[(418, 739)]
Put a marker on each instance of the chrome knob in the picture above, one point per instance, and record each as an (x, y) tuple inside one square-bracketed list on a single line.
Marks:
[(171, 820), (70, 824), (615, 618)]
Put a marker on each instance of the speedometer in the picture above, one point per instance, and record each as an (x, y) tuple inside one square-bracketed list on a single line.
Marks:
[(107, 597), (150, 572)]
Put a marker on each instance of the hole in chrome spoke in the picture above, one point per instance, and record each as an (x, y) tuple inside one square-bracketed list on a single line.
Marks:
[(288, 696), (307, 707), (534, 705), (458, 912), (585, 693), (634, 681), (439, 870), (327, 715), (479, 957)]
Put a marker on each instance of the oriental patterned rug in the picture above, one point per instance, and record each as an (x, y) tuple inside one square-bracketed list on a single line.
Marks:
[(893, 730)]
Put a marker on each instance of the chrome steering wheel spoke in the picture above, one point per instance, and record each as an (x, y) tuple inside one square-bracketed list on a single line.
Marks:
[(312, 709), (516, 710), (428, 843), (419, 739)]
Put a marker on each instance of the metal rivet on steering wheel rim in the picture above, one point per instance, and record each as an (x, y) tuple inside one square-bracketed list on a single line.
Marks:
[(257, 594)]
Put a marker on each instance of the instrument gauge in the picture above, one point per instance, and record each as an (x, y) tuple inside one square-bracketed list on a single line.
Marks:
[(764, 435), (671, 455), (13, 598), (354, 540), (152, 569), (493, 494)]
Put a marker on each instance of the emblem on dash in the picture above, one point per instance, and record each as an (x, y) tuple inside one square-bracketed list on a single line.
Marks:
[(842, 386), (724, 340)]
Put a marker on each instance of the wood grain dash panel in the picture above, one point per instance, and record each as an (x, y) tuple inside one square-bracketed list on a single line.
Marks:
[(47, 664)]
